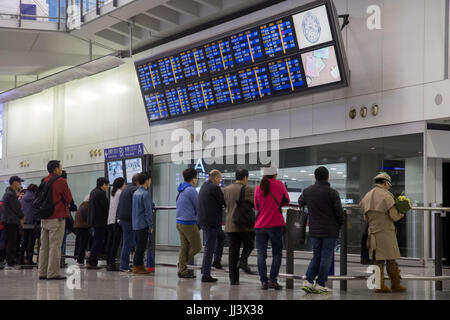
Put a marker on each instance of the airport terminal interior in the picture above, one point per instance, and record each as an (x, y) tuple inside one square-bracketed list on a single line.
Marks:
[(114, 88)]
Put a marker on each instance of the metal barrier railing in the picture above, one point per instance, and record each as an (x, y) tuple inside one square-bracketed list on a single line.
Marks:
[(343, 277)]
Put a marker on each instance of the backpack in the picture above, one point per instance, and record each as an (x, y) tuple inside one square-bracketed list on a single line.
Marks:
[(43, 202), (243, 215)]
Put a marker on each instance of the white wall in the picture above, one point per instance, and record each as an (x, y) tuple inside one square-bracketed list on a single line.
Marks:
[(400, 67)]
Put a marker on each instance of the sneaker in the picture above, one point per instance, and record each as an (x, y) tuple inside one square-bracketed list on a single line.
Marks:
[(139, 270), (208, 279), (265, 286), (125, 270), (308, 287), (188, 275), (8, 267), (58, 278), (322, 289), (275, 285), (151, 270), (217, 265)]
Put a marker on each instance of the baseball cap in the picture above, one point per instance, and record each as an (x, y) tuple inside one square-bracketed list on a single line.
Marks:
[(269, 171), (14, 178), (382, 175)]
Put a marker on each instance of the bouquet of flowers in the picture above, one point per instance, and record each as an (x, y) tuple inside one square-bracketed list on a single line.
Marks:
[(403, 204)]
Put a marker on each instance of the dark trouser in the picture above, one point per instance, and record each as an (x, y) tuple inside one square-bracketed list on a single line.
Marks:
[(2, 246), (97, 245), (81, 243), (113, 242), (219, 245), (323, 250), (236, 239), (210, 239), (275, 235), (141, 245), (11, 231), (28, 240), (150, 258)]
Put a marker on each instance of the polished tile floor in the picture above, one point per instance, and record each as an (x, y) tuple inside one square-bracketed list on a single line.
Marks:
[(164, 285)]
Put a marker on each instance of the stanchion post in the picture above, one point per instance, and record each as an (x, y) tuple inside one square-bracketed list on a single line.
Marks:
[(289, 252), (343, 262), (154, 235), (438, 249)]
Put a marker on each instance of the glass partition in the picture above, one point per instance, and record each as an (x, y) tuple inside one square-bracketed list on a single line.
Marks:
[(352, 166)]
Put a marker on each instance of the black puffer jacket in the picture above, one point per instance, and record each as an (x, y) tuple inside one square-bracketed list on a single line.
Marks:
[(210, 204), (11, 212), (325, 210), (98, 209)]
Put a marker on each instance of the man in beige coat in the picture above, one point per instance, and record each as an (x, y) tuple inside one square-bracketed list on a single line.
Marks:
[(236, 234), (379, 211)]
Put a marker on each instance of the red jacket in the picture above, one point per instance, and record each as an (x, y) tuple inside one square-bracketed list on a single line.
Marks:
[(61, 197), (269, 216)]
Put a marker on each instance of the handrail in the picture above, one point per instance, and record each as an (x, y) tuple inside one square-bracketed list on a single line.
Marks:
[(346, 206), (343, 277)]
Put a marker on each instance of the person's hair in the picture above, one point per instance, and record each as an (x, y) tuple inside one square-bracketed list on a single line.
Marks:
[(101, 181), (135, 178), (241, 174), (214, 174), (189, 174), (117, 184), (143, 177), (265, 184), (32, 187), (380, 181), (321, 173), (52, 165), (64, 174)]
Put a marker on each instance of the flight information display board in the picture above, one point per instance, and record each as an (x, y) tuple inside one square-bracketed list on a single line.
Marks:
[(298, 52)]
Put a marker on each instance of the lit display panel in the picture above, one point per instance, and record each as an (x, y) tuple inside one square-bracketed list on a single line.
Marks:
[(178, 101), (255, 83), (278, 37), (247, 47), (286, 74), (156, 105), (194, 63), (149, 76), (200, 95), (297, 52), (227, 89), (170, 70), (219, 56)]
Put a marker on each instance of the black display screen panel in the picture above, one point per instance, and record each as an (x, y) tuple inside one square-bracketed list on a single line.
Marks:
[(300, 51)]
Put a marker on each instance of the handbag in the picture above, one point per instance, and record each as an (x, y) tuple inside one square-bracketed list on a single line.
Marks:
[(296, 225), (244, 215)]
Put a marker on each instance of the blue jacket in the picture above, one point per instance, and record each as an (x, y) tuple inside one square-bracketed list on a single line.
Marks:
[(187, 204), (30, 213), (142, 209), (125, 205)]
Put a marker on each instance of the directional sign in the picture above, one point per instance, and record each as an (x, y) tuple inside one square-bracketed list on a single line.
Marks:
[(134, 150)]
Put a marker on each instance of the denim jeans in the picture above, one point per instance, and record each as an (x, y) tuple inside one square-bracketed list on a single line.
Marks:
[(150, 259), (128, 242), (323, 250), (275, 235)]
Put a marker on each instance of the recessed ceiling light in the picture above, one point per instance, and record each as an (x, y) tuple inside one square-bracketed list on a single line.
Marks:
[(293, 179), (311, 174), (372, 148), (285, 176), (333, 168), (340, 172), (303, 171)]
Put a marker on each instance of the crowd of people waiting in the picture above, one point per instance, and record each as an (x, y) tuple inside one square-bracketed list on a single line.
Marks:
[(102, 223)]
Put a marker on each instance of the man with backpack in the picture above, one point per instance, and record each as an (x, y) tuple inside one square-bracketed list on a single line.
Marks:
[(52, 200), (240, 194)]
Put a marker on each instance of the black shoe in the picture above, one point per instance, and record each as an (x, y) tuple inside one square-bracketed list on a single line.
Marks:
[(217, 265), (112, 268), (188, 275), (42, 278), (58, 278), (265, 286), (208, 279), (275, 285), (234, 283)]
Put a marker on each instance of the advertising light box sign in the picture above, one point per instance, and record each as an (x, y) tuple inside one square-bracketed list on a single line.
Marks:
[(297, 52)]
